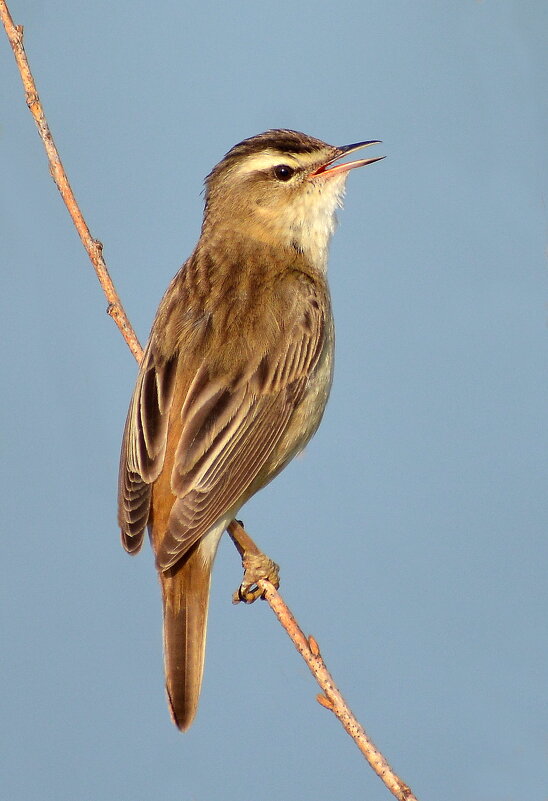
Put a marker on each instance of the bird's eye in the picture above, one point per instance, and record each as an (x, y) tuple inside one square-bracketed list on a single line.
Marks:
[(283, 172)]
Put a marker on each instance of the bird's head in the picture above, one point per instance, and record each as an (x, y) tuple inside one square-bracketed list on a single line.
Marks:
[(282, 187)]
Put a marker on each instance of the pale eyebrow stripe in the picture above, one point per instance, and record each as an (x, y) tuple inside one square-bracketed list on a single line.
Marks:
[(265, 160)]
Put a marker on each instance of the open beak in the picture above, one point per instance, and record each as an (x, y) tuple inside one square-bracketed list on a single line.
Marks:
[(330, 168)]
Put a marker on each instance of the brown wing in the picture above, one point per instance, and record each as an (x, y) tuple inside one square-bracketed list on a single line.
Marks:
[(236, 403), (144, 444)]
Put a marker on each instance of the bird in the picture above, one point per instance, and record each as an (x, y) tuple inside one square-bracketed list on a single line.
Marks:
[(235, 376)]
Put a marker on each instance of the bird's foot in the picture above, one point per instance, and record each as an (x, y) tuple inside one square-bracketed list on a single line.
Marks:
[(256, 566)]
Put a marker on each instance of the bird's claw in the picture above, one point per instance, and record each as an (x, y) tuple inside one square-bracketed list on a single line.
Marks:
[(256, 566)]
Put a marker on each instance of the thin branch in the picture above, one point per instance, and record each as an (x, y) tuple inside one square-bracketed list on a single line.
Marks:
[(307, 647), (330, 698), (93, 247)]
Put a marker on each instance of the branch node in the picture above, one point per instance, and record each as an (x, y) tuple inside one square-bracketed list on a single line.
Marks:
[(324, 701), (313, 645), (31, 99)]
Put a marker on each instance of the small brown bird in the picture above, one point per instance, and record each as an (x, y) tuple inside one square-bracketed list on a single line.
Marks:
[(235, 376)]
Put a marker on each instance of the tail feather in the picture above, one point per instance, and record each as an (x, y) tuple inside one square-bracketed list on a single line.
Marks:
[(185, 592)]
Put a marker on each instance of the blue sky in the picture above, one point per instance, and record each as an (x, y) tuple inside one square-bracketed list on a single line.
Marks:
[(411, 533)]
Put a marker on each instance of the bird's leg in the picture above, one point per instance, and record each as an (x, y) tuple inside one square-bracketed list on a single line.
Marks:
[(255, 563)]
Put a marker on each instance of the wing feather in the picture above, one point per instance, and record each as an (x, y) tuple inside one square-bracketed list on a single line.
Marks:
[(216, 491), (143, 445)]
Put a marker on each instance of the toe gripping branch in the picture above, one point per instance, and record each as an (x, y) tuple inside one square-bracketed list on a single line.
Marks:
[(257, 566)]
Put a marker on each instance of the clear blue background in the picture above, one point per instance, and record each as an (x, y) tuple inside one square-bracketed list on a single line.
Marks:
[(411, 532)]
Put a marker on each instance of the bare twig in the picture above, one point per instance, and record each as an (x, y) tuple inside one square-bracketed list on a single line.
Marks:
[(307, 647), (93, 247), (330, 697)]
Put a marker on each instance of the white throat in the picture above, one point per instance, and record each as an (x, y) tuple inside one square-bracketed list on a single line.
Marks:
[(309, 220)]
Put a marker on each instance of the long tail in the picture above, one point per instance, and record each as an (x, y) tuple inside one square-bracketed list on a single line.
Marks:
[(185, 591)]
